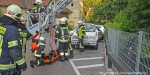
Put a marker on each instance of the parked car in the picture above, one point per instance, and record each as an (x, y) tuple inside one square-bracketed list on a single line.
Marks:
[(101, 27), (100, 34), (101, 30), (91, 38)]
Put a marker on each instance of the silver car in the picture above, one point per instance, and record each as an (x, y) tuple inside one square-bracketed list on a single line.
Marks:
[(91, 38)]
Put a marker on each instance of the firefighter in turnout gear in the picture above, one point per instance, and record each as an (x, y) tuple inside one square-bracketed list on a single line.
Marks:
[(70, 46), (24, 33), (38, 53), (62, 33), (81, 35), (36, 7), (10, 45)]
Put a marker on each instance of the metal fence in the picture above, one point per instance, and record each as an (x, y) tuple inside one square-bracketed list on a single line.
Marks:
[(132, 49)]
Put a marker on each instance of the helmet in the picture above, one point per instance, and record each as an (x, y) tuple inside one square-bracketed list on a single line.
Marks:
[(38, 1), (23, 19), (42, 38), (63, 21), (65, 18), (14, 11), (80, 22)]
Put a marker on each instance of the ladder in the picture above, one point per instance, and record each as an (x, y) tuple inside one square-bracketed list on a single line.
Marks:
[(54, 7)]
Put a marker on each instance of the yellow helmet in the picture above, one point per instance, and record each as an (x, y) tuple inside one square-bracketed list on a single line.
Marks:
[(38, 1)]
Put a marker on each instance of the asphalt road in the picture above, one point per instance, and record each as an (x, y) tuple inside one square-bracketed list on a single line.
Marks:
[(88, 62)]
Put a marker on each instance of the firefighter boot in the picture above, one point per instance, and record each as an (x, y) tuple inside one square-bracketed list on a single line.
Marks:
[(67, 58), (32, 63), (41, 63), (71, 54), (62, 58)]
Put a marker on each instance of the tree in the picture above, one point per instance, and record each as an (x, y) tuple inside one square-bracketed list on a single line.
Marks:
[(88, 6), (138, 11)]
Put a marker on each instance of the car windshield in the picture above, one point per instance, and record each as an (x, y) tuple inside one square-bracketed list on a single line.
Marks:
[(89, 27)]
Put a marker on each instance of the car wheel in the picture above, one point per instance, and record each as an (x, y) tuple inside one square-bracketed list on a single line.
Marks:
[(96, 46)]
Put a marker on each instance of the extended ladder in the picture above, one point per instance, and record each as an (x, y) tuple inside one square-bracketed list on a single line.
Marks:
[(54, 7)]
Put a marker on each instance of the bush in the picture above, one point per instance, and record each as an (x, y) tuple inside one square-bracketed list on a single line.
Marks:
[(125, 24), (114, 25), (70, 27), (1, 13)]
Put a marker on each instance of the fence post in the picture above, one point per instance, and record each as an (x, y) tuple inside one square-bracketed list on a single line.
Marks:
[(138, 52), (117, 43), (109, 64)]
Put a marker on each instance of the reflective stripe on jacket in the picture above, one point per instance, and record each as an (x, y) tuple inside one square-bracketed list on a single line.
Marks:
[(10, 50), (62, 33), (81, 32)]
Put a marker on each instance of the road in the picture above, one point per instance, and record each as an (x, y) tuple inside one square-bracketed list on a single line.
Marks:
[(88, 62)]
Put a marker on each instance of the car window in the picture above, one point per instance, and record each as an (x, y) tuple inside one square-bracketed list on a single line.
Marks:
[(98, 28), (89, 27)]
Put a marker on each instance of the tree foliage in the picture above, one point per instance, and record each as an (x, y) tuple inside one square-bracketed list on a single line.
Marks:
[(1, 13), (88, 6), (138, 12), (129, 15)]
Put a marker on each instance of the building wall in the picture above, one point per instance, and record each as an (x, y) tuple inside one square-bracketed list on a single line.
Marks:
[(77, 10)]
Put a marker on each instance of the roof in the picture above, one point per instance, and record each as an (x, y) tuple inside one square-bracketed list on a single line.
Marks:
[(21, 3), (28, 4)]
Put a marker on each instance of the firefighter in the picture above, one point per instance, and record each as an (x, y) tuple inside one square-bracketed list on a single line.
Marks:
[(36, 7), (81, 35), (62, 33), (24, 33), (70, 46), (10, 45), (38, 53)]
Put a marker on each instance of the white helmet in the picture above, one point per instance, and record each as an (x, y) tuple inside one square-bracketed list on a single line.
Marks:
[(38, 1), (23, 19), (14, 11), (42, 38), (80, 22), (63, 20)]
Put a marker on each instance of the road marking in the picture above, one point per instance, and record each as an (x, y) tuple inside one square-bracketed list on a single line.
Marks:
[(89, 66), (74, 67), (86, 58), (86, 66)]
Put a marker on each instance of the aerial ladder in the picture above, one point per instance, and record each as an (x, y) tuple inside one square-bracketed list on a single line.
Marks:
[(53, 8)]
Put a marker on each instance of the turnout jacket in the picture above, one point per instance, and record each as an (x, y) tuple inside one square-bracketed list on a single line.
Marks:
[(10, 48)]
